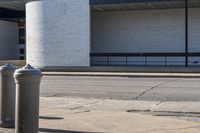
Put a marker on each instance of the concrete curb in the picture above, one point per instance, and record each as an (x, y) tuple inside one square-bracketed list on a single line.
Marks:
[(112, 74), (125, 69)]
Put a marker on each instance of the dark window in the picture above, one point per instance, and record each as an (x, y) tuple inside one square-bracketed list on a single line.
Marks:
[(21, 57), (21, 51), (22, 39)]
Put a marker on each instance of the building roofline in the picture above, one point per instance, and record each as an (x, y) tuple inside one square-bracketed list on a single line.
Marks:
[(93, 2), (96, 2)]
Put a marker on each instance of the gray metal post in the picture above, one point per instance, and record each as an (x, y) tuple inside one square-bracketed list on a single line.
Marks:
[(27, 81), (186, 33), (7, 96)]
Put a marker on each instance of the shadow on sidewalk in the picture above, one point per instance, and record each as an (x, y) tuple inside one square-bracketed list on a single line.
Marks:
[(61, 131), (50, 118)]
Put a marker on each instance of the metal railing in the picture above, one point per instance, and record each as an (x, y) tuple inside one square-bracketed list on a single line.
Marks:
[(105, 59)]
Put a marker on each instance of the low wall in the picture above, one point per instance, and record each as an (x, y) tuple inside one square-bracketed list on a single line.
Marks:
[(123, 69), (18, 63)]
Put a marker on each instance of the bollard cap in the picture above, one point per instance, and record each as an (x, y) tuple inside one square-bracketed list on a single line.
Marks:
[(8, 67), (27, 70)]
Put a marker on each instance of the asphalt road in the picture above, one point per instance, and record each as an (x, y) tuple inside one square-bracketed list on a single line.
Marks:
[(122, 88)]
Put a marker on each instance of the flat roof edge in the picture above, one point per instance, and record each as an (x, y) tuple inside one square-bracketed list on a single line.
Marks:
[(95, 2)]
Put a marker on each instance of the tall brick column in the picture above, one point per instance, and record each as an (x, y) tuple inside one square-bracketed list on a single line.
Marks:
[(58, 33)]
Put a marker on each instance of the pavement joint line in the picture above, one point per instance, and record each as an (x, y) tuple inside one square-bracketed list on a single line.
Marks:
[(156, 105), (182, 128), (176, 113), (55, 95), (85, 111), (81, 106), (150, 89)]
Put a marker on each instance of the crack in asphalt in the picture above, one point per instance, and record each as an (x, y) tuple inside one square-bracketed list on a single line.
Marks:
[(55, 95), (156, 86)]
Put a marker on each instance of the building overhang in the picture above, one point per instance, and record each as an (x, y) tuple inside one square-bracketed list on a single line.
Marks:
[(98, 2), (12, 9), (9, 14), (16, 8), (16, 5), (118, 5), (19, 5)]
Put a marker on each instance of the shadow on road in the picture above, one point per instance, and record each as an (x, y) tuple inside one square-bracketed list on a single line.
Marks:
[(61, 131)]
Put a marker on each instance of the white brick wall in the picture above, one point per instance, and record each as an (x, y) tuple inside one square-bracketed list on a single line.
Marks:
[(138, 31), (194, 30), (58, 33), (145, 31), (8, 40)]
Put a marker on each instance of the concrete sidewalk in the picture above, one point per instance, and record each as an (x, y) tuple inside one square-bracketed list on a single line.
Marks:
[(125, 74), (78, 115)]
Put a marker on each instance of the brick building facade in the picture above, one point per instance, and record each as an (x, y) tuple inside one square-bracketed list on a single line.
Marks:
[(109, 32)]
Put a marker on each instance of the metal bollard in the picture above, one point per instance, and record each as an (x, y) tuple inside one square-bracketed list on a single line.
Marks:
[(7, 96), (27, 81)]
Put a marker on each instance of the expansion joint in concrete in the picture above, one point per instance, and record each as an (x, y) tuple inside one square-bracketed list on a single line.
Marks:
[(88, 104)]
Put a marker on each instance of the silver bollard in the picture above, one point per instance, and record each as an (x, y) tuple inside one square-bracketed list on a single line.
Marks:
[(7, 96), (27, 81)]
